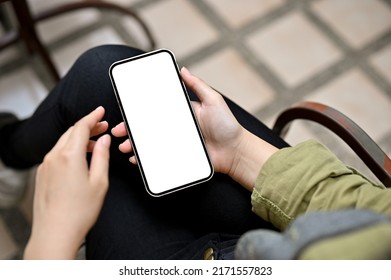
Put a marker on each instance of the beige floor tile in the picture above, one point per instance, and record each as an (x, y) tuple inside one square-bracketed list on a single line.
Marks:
[(293, 48), (354, 95), (381, 61), (21, 98), (358, 22), (227, 72), (178, 26), (8, 247), (37, 6), (299, 132), (42, 5), (124, 3), (136, 32), (60, 26), (9, 53), (238, 13), (66, 56)]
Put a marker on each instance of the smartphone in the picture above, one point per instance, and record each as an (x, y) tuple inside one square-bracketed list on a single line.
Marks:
[(166, 138)]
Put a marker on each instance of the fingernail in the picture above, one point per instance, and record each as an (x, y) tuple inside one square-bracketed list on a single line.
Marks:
[(186, 70), (106, 140), (132, 160), (102, 123), (98, 108)]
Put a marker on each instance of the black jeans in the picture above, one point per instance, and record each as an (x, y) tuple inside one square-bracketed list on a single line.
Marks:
[(132, 224)]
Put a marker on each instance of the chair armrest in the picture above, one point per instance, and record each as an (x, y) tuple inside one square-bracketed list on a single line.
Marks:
[(363, 145), (70, 7)]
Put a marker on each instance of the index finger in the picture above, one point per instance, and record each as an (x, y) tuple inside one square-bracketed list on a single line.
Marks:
[(81, 131)]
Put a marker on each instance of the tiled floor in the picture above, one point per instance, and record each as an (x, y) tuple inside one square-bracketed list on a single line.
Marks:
[(263, 54)]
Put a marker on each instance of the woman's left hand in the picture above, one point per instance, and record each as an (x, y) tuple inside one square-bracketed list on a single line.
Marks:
[(69, 194)]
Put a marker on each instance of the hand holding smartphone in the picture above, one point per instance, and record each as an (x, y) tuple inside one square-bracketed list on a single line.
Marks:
[(160, 122)]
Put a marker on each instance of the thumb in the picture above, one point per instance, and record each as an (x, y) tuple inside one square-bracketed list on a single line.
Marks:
[(204, 92), (99, 167)]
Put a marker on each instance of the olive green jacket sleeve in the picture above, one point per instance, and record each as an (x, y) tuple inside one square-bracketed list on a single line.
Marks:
[(308, 177)]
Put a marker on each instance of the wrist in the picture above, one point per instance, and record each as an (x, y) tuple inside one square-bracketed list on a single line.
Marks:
[(250, 155), (51, 246)]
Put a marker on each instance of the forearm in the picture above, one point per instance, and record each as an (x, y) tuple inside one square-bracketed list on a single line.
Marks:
[(309, 178)]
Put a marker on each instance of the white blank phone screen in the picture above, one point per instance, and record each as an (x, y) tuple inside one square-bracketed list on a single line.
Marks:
[(164, 133)]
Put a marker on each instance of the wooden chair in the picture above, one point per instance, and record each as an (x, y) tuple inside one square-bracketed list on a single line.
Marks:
[(363, 145), (27, 26)]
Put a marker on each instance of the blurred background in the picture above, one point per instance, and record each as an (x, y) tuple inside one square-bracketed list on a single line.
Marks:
[(263, 54)]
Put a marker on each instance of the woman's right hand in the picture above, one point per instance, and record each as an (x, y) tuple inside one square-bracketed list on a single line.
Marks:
[(233, 150)]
